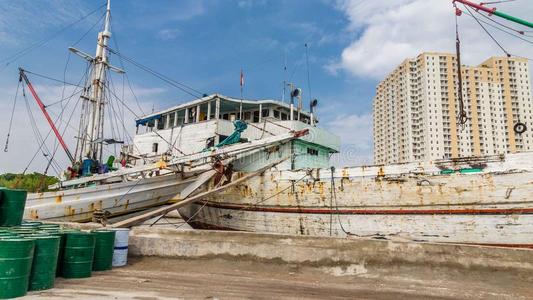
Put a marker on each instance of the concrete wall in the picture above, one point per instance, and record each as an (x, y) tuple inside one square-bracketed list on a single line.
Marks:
[(322, 251)]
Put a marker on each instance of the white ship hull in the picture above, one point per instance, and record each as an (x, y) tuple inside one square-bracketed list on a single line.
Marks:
[(410, 201), (78, 205)]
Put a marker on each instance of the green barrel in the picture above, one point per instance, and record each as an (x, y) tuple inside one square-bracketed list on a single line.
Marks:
[(32, 224), (25, 232), (78, 255), (16, 255), (104, 247), (49, 227), (12, 204), (62, 234), (43, 271), (7, 235)]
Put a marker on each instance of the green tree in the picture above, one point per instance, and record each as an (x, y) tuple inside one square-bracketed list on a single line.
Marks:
[(31, 182)]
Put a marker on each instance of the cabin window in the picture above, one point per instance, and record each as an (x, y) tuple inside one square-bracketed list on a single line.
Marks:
[(276, 114), (192, 115), (203, 112), (265, 113), (161, 122), (155, 147), (312, 151), (171, 119), (181, 117), (283, 116), (150, 126), (256, 116)]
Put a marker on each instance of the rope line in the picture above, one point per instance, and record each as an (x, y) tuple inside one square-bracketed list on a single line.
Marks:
[(12, 58), (12, 115)]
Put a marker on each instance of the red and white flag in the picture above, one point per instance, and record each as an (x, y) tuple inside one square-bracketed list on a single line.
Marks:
[(242, 78)]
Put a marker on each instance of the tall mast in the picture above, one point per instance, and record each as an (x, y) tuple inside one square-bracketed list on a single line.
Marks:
[(91, 137), (95, 130)]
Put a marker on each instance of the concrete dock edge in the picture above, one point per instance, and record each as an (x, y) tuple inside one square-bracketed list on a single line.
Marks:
[(322, 251)]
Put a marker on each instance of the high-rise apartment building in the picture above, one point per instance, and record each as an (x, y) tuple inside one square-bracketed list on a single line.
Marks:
[(416, 106)]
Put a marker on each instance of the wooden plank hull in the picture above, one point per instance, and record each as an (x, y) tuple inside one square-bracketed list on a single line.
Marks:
[(494, 206), (77, 205)]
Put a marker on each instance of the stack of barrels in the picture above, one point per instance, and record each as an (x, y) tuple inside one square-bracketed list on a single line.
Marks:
[(33, 254)]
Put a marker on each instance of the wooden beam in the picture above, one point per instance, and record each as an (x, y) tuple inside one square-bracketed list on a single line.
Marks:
[(163, 210)]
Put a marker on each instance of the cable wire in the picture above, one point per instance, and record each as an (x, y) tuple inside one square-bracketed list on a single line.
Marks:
[(11, 119), (488, 33), (183, 87), (14, 57)]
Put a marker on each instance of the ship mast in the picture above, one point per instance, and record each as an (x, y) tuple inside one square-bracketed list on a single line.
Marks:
[(90, 136)]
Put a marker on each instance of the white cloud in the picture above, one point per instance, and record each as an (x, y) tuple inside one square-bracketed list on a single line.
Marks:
[(187, 11), (168, 34), (20, 19), (355, 132), (391, 31), (251, 3)]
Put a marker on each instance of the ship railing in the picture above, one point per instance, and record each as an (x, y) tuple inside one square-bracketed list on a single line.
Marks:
[(236, 150)]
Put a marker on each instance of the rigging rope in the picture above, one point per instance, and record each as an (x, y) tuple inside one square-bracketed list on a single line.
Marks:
[(183, 87), (45, 151), (488, 33), (12, 58), (500, 29), (57, 118), (500, 23), (125, 75), (11, 119), (131, 111), (52, 79)]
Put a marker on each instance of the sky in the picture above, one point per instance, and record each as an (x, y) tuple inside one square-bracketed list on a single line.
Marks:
[(351, 46)]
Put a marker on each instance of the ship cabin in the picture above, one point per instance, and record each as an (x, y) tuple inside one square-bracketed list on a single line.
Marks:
[(202, 123)]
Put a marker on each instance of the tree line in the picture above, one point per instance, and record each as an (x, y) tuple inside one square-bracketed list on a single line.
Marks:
[(35, 182)]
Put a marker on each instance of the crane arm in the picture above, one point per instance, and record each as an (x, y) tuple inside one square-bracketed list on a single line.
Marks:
[(47, 116), (494, 11)]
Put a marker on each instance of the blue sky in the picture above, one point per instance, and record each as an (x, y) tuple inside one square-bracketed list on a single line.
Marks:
[(204, 44)]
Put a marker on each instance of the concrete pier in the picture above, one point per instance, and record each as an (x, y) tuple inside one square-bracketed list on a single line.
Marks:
[(169, 263), (321, 251)]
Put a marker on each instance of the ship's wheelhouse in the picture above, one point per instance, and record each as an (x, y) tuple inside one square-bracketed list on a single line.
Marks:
[(192, 127)]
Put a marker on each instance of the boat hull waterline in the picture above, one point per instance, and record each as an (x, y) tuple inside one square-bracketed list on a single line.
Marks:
[(484, 208)]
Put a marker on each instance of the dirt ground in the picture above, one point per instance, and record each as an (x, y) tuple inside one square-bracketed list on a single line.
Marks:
[(161, 278)]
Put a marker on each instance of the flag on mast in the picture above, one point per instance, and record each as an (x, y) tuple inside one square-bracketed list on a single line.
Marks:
[(242, 79)]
